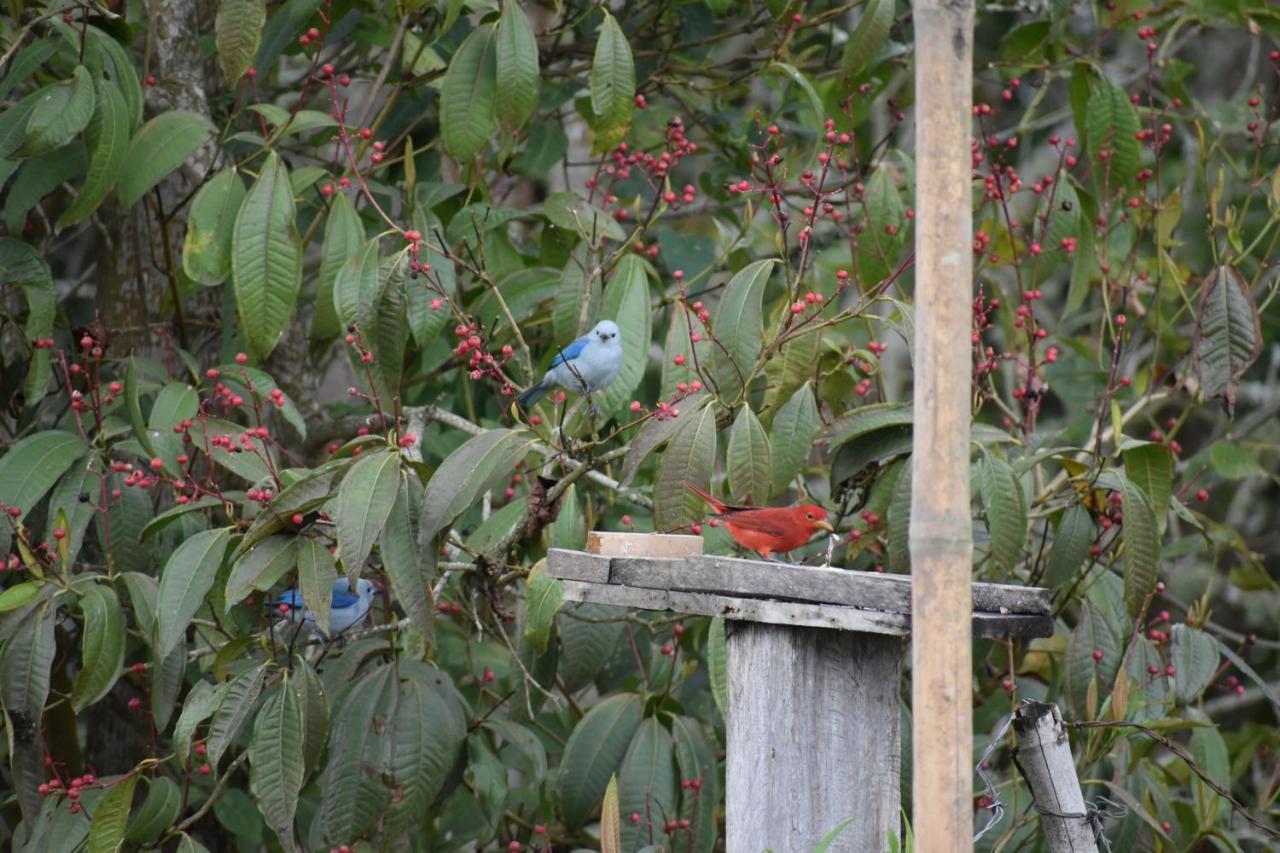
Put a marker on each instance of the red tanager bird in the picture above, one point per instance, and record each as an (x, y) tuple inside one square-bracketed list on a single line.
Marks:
[(767, 530)]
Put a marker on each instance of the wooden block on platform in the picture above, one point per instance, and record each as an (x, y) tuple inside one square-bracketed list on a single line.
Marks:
[(611, 544)]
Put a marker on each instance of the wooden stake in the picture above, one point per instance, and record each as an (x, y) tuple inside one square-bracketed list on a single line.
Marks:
[(940, 539), (1044, 757)]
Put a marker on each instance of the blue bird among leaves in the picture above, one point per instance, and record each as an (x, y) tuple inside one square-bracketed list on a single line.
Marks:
[(347, 607), (587, 365)]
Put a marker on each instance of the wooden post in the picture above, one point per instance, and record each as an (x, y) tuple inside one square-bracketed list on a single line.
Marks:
[(812, 738), (1044, 757), (940, 540)]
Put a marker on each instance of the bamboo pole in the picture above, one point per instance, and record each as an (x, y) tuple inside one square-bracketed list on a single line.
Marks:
[(940, 539)]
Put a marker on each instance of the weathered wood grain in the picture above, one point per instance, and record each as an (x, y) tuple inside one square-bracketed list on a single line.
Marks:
[(577, 566), (1044, 756), (616, 544), (813, 738)]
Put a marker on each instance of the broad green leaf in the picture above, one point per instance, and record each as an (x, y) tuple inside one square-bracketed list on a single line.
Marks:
[(13, 121), (657, 432), (24, 64), (206, 250), (613, 85), (276, 768), (107, 135), (175, 513), (28, 656), (1195, 659), (749, 462), (19, 595), (62, 111), (577, 303), (102, 643), (477, 466), (792, 433), (185, 583), (260, 568), (23, 265), (317, 572), (1228, 335), (200, 704), (302, 496), (1006, 510), (718, 665), (690, 455), (111, 816), (1091, 634), (611, 819), (1111, 126), (1141, 546), (266, 258), (365, 498), (794, 364), (237, 33), (865, 419), (167, 677), (410, 578), (239, 697), (158, 811), (235, 377), (898, 518), (1070, 549), (739, 327), (1233, 461), (118, 69), (626, 302), (161, 146), (425, 321), (572, 212), (517, 67), (696, 759), (309, 689), (39, 177), (647, 779), (867, 38), (360, 751), (884, 237), (594, 753), (586, 646), (30, 467), (250, 466), (343, 237), (388, 334), (1209, 751), (428, 734), (357, 287), (543, 597), (676, 343), (1150, 467), (468, 95)]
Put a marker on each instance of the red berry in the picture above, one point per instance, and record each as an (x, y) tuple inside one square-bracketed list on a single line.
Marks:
[(1097, 654), (205, 769), (151, 80), (1202, 495)]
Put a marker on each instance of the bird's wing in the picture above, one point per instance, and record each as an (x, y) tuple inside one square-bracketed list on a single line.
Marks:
[(773, 521), (571, 352), (342, 596)]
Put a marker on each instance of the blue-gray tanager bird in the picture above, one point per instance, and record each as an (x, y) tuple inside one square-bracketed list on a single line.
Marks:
[(586, 365), (347, 608)]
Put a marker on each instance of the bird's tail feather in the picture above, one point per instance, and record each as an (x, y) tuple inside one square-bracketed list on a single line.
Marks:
[(716, 505), (529, 398)]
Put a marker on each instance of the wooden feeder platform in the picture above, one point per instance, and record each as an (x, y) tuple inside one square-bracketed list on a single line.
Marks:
[(814, 658)]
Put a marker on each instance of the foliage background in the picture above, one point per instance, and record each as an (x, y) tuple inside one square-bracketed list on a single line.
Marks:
[(178, 192)]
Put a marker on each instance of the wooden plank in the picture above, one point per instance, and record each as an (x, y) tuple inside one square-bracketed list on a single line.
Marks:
[(1020, 625), (748, 609), (575, 565), (757, 578), (612, 544), (813, 739), (940, 531)]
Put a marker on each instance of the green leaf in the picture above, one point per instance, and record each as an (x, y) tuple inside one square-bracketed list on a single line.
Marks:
[(695, 759), (1210, 754), (19, 595), (1194, 655), (1150, 467), (206, 250), (1228, 336), (867, 39), (899, 520), (690, 455), (343, 237), (302, 496), (543, 597), (749, 460), (594, 753), (572, 212), (61, 111), (611, 819), (158, 811), (830, 838), (794, 364), (239, 697), (39, 177), (428, 735), (613, 85), (410, 578), (359, 753), (717, 665), (118, 70), (111, 817), (102, 642), (477, 466), (199, 705), (626, 301), (426, 322), (740, 329), (1070, 546), (365, 498), (28, 656), (24, 266), (517, 67), (468, 95), (576, 307), (161, 146), (185, 583), (107, 136), (647, 780), (1091, 634), (1006, 513), (793, 430), (357, 287), (266, 258), (657, 432), (1141, 546), (878, 249), (237, 34), (1111, 125), (30, 467), (316, 573), (23, 65), (276, 769), (260, 568), (569, 530), (586, 646)]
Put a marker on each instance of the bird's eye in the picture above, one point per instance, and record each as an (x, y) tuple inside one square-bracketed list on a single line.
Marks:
[(809, 516)]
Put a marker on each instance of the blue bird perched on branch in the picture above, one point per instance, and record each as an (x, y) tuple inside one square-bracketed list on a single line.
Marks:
[(346, 608), (587, 365)]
